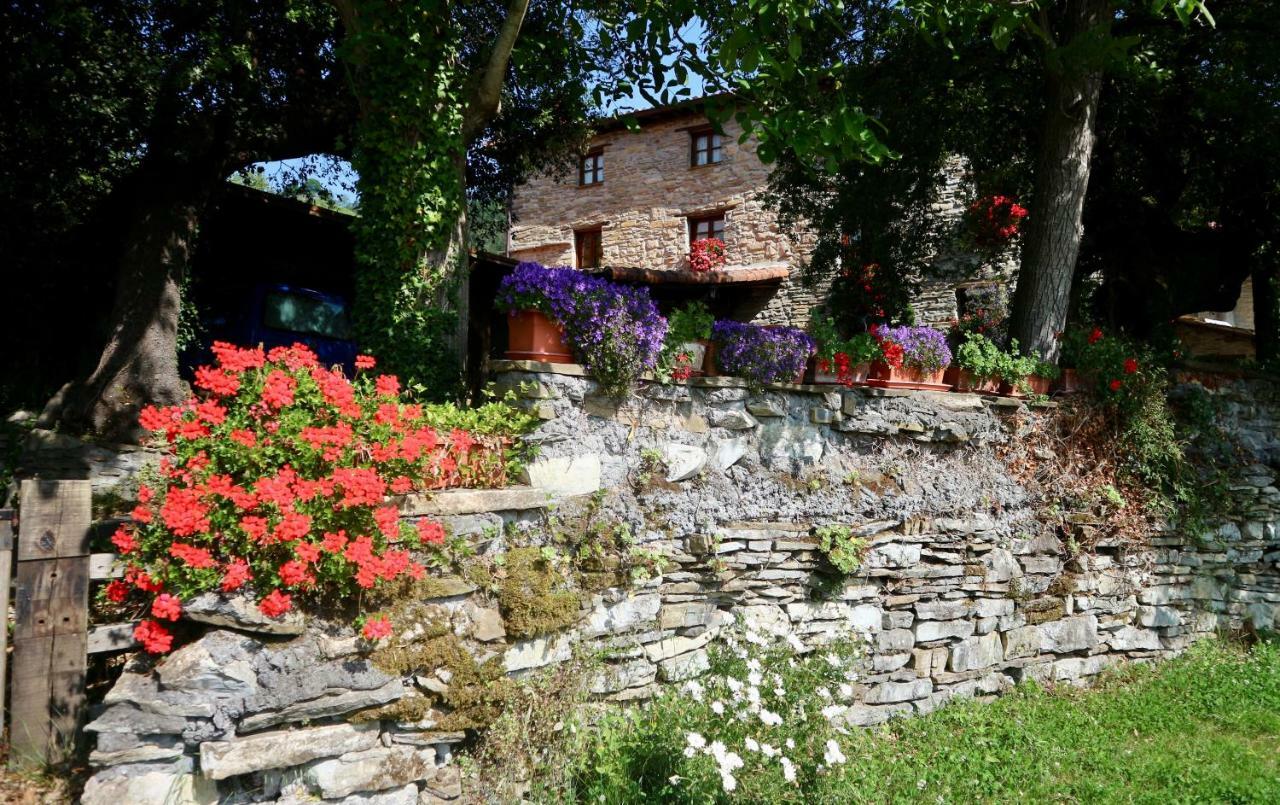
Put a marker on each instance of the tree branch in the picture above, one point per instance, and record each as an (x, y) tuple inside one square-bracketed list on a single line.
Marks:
[(486, 101)]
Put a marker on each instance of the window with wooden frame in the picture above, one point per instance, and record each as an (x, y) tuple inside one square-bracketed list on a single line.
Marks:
[(591, 168), (588, 247), (706, 226), (704, 148)]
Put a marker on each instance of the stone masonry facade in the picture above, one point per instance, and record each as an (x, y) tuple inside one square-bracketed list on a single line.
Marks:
[(965, 589)]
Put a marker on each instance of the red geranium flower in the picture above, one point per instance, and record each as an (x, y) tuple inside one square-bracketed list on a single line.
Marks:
[(1095, 335), (236, 575), (166, 606), (123, 540), (1130, 366), (117, 591), (153, 637), (275, 604), (365, 362), (1116, 384), (430, 532), (376, 629)]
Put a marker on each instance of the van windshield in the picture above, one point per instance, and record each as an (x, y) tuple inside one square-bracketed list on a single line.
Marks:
[(304, 314)]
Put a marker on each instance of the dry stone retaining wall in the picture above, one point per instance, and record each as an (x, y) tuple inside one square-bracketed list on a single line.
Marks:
[(965, 588)]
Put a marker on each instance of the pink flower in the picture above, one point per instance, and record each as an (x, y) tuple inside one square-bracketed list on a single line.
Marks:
[(376, 629), (166, 606)]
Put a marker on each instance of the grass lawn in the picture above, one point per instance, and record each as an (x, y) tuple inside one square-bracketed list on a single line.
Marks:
[(1201, 728)]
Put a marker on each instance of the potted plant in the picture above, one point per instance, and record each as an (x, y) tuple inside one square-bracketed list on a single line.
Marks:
[(761, 355), (706, 254), (1014, 369), (977, 366), (843, 361), (911, 358), (534, 296), (1075, 343), (685, 351), (614, 330)]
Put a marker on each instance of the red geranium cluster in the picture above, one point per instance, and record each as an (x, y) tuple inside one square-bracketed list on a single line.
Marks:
[(706, 254), (683, 369), (994, 221), (276, 481), (842, 366)]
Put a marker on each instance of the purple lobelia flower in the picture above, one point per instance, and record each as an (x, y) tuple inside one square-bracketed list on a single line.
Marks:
[(615, 330), (761, 355), (922, 347)]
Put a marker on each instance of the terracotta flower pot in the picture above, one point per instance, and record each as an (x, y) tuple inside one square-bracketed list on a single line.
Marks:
[(1071, 382), (532, 336), (698, 356), (709, 368), (1034, 384), (966, 382), (857, 374), (906, 377)]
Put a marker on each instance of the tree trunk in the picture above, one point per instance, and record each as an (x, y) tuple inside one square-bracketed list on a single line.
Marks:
[(1266, 316), (1052, 239), (139, 362)]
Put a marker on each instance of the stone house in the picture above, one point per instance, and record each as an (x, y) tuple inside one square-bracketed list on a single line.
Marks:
[(640, 197)]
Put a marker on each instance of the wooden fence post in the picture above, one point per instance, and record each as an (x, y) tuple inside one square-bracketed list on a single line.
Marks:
[(51, 605), (6, 577)]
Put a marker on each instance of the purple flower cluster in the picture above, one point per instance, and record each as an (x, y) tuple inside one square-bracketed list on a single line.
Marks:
[(922, 347), (615, 330), (761, 355)]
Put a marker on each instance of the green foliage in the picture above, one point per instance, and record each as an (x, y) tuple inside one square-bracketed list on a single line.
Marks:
[(860, 347), (1200, 728), (979, 355), (841, 547), (691, 322), (650, 754)]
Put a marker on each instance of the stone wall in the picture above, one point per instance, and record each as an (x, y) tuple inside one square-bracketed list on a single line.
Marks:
[(966, 588)]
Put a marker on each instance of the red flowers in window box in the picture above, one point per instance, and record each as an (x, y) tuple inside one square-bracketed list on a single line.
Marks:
[(994, 220), (707, 254)]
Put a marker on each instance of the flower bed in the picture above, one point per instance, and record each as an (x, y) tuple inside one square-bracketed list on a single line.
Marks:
[(913, 358), (276, 483)]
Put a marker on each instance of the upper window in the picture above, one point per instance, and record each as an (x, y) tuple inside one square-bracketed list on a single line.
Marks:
[(704, 148), (706, 226), (587, 246), (591, 169)]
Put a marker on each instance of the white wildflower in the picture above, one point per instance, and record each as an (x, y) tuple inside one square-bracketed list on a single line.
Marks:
[(755, 679), (694, 689), (752, 745), (832, 660), (733, 684), (716, 750), (769, 718), (833, 755), (753, 664), (728, 781), (824, 693), (695, 740), (796, 643), (791, 744), (767, 750), (780, 692), (753, 695), (674, 779), (788, 770), (832, 710), (920, 784), (846, 691), (717, 707)]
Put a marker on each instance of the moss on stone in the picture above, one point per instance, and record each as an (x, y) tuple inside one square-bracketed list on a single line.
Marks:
[(476, 695), (534, 596)]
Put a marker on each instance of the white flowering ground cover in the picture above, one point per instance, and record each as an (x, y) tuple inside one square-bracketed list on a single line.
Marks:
[(763, 727)]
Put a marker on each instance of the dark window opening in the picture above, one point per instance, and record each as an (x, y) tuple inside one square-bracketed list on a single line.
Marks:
[(704, 148), (591, 169), (588, 247), (304, 314), (707, 226)]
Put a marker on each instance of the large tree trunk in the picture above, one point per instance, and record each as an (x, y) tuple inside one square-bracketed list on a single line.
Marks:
[(139, 361), (1266, 315), (1052, 239)]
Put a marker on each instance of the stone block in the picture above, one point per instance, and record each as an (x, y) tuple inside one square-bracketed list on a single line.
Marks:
[(927, 631), (148, 785), (892, 692), (331, 703), (977, 652), (682, 461), (623, 615), (943, 610), (685, 666), (240, 612), (274, 750), (373, 769), (1076, 633), (893, 640), (893, 554), (1128, 638), (620, 676), (538, 652), (1023, 641), (564, 476), (731, 419)]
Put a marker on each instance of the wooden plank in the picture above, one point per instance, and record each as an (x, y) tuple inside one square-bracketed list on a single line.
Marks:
[(6, 576), (55, 519), (111, 637), (52, 610), (103, 566)]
